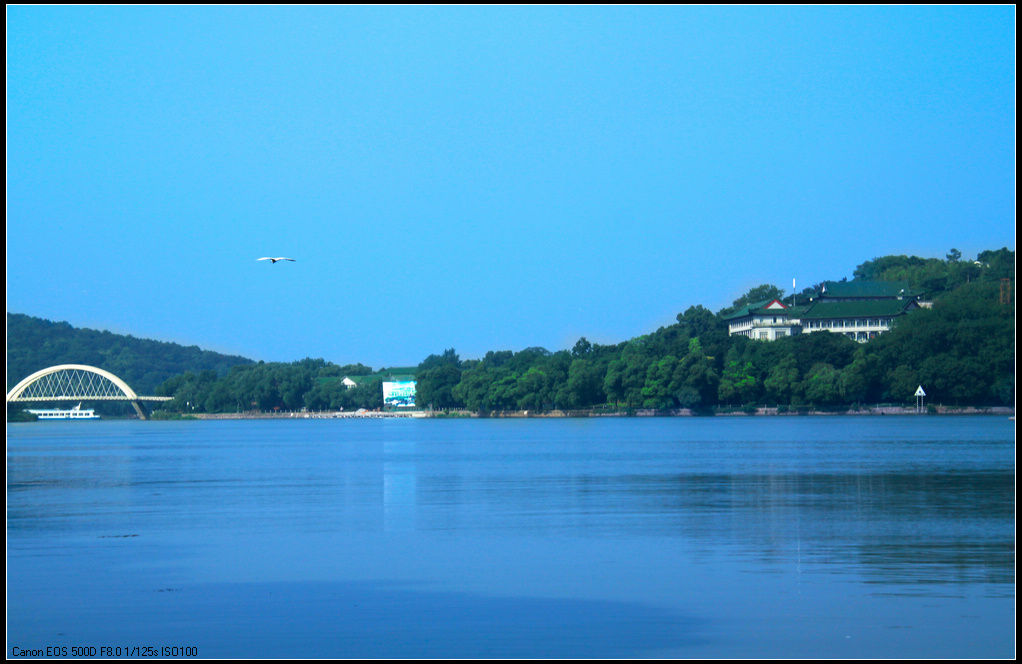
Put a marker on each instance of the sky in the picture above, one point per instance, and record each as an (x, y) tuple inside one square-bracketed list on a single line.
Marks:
[(485, 178)]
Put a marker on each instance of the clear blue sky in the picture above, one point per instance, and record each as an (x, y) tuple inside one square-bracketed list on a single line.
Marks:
[(485, 178)]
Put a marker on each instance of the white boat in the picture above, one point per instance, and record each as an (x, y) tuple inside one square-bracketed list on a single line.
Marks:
[(75, 413)]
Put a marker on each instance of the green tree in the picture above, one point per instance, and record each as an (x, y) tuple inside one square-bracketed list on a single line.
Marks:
[(474, 387), (901, 383), (662, 383), (700, 381), (530, 390), (582, 348), (436, 378), (821, 385), (502, 393), (584, 386), (782, 384), (860, 380), (738, 384)]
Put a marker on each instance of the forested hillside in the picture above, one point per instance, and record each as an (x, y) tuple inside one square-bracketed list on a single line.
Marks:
[(35, 343), (961, 349)]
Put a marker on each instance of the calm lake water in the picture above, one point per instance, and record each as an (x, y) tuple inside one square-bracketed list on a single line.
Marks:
[(760, 537)]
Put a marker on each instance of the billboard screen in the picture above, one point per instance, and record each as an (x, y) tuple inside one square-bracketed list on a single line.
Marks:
[(399, 394)]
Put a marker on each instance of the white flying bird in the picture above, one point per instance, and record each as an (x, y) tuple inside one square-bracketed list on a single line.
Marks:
[(274, 260)]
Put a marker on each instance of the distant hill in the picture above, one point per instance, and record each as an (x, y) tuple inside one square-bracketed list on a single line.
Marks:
[(36, 343)]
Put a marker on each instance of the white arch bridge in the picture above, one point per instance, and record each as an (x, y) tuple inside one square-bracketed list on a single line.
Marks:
[(78, 382)]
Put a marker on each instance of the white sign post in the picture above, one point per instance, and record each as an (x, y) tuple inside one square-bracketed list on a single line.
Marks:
[(920, 395)]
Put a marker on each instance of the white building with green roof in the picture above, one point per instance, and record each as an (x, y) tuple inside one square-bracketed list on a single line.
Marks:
[(858, 309), (858, 320), (767, 320)]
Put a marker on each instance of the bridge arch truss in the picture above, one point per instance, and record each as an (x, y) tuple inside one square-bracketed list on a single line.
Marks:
[(77, 382)]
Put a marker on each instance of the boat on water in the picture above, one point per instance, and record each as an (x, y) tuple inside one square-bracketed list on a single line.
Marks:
[(75, 413)]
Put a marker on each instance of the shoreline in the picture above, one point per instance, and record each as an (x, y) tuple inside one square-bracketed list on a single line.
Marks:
[(525, 414)]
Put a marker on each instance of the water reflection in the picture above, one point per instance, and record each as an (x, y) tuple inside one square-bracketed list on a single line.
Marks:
[(960, 523), (399, 485), (399, 496), (578, 538)]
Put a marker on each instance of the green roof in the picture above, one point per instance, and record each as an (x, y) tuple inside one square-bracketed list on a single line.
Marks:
[(862, 288), (863, 309), (758, 308)]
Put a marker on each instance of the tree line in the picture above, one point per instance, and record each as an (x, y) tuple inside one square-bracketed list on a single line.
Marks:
[(961, 350)]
